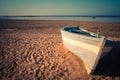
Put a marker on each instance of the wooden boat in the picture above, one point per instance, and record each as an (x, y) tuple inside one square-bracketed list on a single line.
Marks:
[(88, 46)]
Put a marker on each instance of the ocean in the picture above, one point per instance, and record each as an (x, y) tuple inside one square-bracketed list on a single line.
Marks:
[(75, 18)]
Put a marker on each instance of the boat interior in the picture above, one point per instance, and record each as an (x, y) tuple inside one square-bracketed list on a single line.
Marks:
[(78, 30)]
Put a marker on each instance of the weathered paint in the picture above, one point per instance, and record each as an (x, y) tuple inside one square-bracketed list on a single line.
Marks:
[(92, 48)]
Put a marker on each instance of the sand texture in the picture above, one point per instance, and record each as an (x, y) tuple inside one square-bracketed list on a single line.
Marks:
[(33, 50)]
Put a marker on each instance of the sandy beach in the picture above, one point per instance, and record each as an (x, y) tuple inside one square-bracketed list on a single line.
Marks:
[(33, 50)]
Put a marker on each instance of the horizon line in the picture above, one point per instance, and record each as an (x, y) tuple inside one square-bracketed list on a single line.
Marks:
[(59, 15)]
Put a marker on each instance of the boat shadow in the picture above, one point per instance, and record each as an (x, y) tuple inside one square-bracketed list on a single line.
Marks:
[(110, 64)]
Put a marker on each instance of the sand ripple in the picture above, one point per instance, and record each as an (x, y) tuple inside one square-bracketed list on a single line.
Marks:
[(39, 54), (36, 55)]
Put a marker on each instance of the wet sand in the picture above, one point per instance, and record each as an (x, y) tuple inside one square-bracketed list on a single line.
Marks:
[(33, 50)]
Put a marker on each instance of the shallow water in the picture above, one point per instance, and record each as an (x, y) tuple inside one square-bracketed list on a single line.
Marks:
[(96, 19)]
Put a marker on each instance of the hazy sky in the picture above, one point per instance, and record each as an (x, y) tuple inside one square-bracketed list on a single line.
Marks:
[(59, 7)]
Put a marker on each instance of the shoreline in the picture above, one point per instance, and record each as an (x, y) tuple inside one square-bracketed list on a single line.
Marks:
[(53, 20), (70, 18)]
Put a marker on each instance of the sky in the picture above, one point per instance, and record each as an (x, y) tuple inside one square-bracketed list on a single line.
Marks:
[(59, 7)]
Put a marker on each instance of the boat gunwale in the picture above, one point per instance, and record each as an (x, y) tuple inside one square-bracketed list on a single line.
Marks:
[(83, 36)]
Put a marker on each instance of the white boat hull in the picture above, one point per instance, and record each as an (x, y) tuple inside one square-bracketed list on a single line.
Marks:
[(89, 49)]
